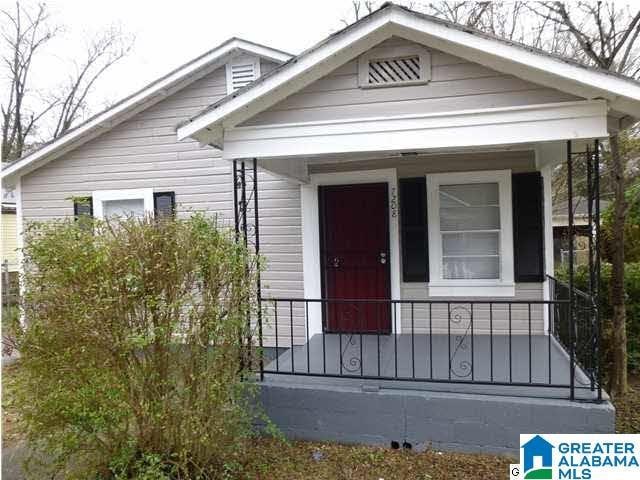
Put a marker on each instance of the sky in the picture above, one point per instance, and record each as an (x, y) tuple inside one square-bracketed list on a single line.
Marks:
[(170, 33)]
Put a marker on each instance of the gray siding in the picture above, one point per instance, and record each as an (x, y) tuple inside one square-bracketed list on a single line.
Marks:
[(456, 84), (143, 152)]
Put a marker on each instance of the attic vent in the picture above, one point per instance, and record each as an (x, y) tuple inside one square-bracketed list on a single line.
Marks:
[(394, 70), (241, 71), (389, 66)]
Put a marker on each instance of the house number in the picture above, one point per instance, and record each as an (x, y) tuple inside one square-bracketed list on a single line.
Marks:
[(394, 202)]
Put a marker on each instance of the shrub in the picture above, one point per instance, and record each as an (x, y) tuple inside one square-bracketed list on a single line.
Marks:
[(632, 290), (131, 362)]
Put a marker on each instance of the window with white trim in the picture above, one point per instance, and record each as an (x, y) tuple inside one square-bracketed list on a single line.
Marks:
[(394, 66), (470, 233), (123, 203)]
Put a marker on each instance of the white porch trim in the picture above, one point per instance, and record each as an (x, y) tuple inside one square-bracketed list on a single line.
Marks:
[(311, 235), (547, 176), (462, 128)]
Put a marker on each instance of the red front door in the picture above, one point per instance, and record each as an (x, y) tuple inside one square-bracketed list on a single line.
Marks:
[(354, 252)]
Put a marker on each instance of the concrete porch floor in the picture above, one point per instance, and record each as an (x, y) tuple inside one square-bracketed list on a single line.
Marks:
[(422, 362)]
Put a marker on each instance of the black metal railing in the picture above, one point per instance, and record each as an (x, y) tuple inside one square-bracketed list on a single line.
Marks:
[(484, 342), (577, 330)]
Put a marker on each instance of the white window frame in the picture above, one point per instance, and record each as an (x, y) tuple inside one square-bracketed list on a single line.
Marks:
[(101, 196), (439, 286), (382, 53)]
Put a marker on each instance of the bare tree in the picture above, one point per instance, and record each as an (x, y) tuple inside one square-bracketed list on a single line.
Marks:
[(23, 35), (25, 32), (606, 37), (360, 8), (464, 12)]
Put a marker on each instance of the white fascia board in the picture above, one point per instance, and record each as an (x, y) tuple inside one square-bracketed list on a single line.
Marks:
[(469, 128), (136, 103), (580, 81), (504, 53), (305, 70)]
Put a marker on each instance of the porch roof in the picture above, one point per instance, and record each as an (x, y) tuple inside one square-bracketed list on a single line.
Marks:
[(618, 93)]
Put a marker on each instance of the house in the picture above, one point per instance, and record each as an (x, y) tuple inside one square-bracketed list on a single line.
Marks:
[(9, 258), (581, 233), (397, 178)]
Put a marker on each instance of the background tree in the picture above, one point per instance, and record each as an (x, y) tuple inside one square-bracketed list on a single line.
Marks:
[(30, 116)]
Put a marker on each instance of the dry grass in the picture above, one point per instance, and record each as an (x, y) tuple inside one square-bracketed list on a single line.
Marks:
[(10, 420), (628, 409), (304, 460)]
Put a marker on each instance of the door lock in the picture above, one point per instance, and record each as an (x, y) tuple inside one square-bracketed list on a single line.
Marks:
[(383, 257)]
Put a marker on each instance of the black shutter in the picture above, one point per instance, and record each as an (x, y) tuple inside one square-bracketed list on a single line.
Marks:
[(82, 206), (413, 222), (528, 227), (164, 204)]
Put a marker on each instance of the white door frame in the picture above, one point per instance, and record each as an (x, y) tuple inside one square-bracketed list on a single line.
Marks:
[(311, 235)]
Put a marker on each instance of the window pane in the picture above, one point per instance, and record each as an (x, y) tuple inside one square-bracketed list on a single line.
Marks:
[(124, 208), (470, 231), (471, 243), (471, 268), (469, 207)]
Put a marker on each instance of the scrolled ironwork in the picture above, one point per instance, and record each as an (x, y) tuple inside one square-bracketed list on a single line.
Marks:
[(461, 361)]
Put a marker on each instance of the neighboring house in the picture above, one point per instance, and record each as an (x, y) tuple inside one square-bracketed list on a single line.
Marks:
[(403, 195), (9, 258), (581, 226)]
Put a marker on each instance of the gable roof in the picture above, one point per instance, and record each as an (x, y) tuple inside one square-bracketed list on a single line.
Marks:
[(140, 100), (509, 57)]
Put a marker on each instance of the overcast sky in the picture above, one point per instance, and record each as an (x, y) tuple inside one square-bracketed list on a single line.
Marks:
[(170, 33)]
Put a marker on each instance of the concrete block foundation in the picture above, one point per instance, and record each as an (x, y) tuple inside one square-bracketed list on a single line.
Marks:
[(353, 411)]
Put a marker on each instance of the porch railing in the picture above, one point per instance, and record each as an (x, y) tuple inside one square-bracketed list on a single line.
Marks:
[(578, 330), (483, 342)]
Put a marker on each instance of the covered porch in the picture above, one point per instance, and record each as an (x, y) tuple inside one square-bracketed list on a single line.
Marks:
[(532, 338), (427, 250)]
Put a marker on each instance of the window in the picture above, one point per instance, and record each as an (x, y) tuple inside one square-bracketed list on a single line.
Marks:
[(241, 71), (470, 234), (391, 66), (110, 203)]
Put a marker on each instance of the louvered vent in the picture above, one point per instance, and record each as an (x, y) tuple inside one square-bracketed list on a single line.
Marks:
[(242, 75), (392, 65), (394, 70), (242, 71)]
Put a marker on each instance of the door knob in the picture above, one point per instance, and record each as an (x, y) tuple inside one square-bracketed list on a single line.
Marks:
[(383, 257), (335, 262)]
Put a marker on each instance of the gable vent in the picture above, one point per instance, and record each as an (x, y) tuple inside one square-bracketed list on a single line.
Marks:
[(390, 66), (241, 72), (394, 70)]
